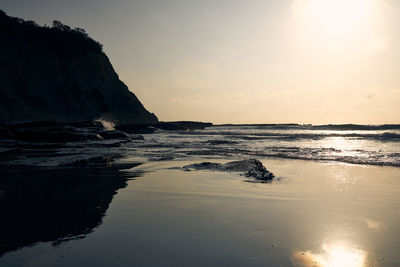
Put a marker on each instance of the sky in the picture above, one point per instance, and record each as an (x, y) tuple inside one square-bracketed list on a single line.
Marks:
[(248, 61)]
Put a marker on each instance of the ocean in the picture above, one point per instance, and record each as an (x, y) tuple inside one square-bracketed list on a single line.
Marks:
[(333, 202), (355, 144)]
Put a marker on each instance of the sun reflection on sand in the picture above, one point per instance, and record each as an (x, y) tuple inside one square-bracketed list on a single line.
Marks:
[(332, 255), (374, 224)]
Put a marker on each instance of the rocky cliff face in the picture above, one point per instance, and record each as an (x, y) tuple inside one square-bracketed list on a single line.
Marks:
[(60, 74)]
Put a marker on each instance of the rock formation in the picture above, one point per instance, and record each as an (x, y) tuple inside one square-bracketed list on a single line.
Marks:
[(251, 168), (60, 74)]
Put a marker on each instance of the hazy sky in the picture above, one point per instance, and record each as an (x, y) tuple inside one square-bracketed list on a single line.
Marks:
[(249, 61)]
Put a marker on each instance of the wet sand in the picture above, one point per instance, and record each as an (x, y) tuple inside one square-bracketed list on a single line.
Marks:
[(313, 214)]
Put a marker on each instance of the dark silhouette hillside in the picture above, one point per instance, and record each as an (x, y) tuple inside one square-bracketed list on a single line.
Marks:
[(59, 73)]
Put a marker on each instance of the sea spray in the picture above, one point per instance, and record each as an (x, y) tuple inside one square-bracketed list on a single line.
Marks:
[(108, 125)]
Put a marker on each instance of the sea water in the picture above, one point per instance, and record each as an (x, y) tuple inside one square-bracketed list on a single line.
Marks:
[(368, 145)]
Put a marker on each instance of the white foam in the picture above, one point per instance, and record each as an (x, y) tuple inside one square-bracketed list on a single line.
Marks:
[(108, 125)]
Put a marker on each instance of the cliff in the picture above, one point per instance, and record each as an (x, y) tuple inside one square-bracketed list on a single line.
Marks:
[(59, 73)]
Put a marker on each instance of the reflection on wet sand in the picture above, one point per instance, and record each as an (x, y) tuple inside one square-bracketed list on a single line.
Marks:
[(42, 205), (332, 255), (176, 218), (374, 224)]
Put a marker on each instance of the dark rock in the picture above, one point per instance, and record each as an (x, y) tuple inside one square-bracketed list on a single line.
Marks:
[(10, 152), (167, 126), (136, 128), (54, 136), (58, 133), (183, 125), (258, 171), (114, 135), (137, 137), (251, 168), (204, 166), (99, 160), (221, 142), (5, 133), (147, 130), (162, 157)]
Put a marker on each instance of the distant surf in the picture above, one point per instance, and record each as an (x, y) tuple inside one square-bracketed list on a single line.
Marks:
[(350, 143), (57, 144)]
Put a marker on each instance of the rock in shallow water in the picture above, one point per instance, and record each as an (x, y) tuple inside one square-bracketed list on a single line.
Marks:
[(258, 171), (162, 157), (91, 161), (251, 168), (114, 134)]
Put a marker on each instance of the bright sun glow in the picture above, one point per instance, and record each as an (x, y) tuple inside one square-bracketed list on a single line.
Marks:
[(333, 16), (331, 256), (340, 256)]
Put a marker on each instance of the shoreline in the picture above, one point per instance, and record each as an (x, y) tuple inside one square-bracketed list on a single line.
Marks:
[(309, 208), (51, 143)]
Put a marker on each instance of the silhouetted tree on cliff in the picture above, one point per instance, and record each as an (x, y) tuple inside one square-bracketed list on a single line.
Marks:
[(59, 25), (61, 37)]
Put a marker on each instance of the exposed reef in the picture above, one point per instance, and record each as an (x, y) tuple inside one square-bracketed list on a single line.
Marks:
[(250, 168), (76, 144), (144, 128)]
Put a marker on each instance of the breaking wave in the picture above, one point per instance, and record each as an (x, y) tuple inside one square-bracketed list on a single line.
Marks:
[(372, 145)]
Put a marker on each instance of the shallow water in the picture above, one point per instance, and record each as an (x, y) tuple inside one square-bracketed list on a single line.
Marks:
[(356, 144), (313, 214), (370, 147)]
